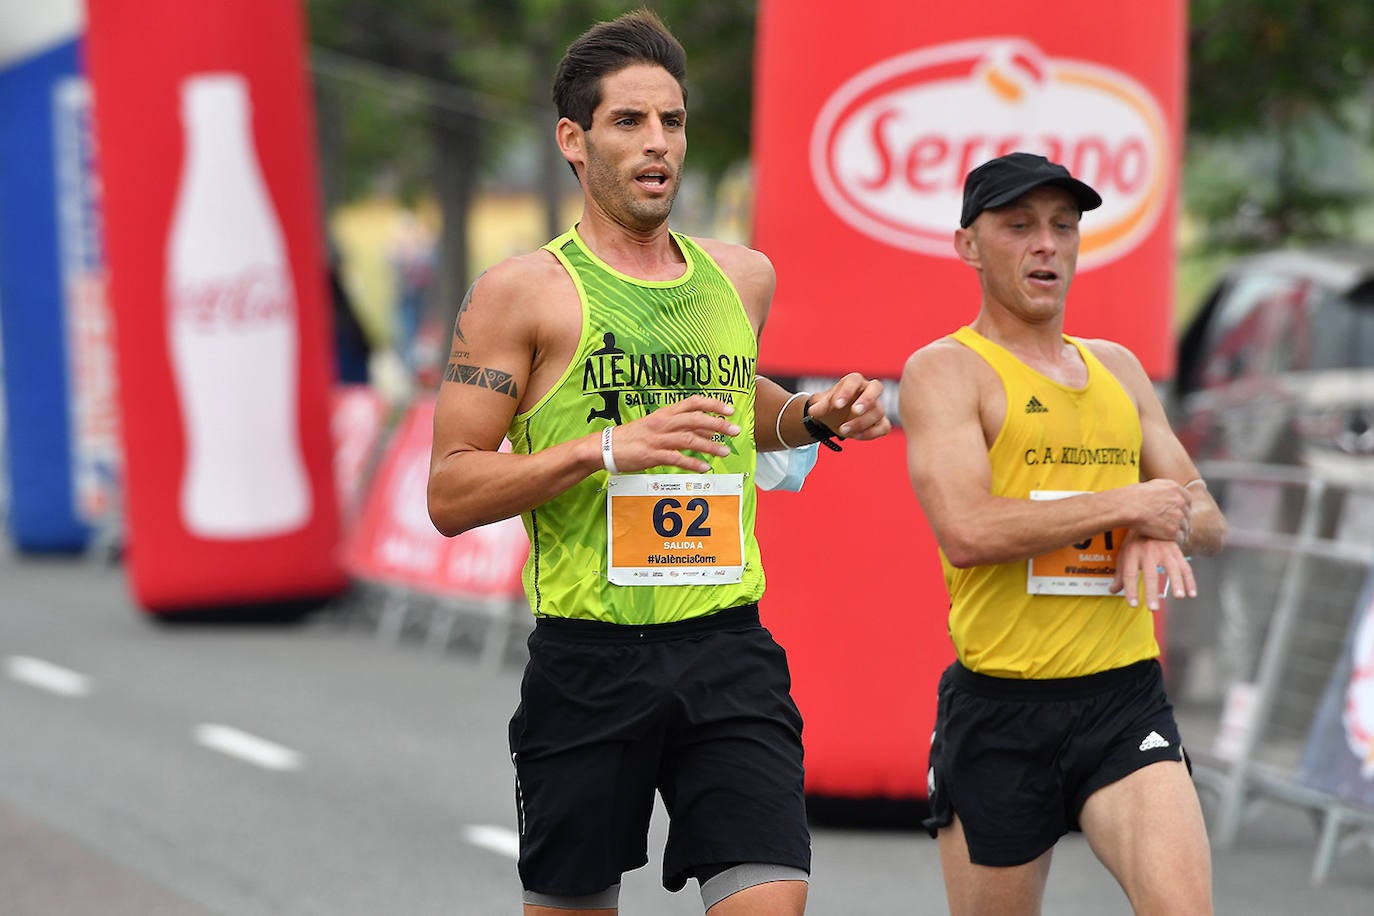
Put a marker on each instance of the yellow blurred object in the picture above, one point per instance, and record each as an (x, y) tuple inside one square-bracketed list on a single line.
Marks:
[(503, 224)]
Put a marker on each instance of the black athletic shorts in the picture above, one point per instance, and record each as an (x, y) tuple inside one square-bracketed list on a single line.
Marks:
[(699, 710), (1016, 759)]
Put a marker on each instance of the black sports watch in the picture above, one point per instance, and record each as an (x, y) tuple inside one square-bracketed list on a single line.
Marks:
[(819, 431)]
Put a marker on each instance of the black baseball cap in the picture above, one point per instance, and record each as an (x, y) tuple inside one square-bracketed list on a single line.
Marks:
[(1000, 181)]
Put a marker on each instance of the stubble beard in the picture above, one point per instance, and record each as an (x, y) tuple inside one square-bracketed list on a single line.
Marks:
[(615, 194)]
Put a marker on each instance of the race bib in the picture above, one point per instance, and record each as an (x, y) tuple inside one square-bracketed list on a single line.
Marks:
[(1084, 568), (675, 529)]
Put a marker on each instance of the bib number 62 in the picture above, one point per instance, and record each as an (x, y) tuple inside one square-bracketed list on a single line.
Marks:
[(669, 517)]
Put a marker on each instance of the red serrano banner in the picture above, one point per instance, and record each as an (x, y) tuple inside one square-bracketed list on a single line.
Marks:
[(217, 273), (866, 122), (395, 543)]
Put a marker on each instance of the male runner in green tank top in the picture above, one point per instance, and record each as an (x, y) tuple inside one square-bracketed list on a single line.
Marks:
[(620, 362), (1055, 488)]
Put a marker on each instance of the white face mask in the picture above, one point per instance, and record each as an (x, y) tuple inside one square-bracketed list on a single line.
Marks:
[(785, 469)]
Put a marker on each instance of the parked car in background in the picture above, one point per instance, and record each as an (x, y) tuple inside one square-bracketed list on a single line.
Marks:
[(1277, 365)]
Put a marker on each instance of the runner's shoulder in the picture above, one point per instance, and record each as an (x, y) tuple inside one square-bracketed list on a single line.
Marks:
[(524, 281), (943, 356), (740, 262), (1117, 357)]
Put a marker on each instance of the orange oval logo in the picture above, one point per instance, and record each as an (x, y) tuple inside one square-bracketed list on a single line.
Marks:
[(891, 147)]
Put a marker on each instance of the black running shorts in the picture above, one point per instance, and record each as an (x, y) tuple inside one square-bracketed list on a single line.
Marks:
[(1017, 759), (699, 710)]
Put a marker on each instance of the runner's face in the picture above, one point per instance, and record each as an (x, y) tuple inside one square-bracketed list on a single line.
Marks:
[(1028, 251), (636, 145)]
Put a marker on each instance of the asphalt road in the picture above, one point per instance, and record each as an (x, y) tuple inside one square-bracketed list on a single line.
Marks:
[(312, 770)]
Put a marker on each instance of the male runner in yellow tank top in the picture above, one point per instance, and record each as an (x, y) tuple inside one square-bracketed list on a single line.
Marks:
[(1055, 488), (620, 362)]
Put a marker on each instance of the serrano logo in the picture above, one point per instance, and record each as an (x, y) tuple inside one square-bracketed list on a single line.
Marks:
[(891, 146)]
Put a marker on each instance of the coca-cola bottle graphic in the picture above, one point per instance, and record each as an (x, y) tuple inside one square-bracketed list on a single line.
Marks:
[(232, 327)]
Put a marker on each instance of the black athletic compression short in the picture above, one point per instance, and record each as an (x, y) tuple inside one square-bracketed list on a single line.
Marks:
[(1017, 759), (699, 710)]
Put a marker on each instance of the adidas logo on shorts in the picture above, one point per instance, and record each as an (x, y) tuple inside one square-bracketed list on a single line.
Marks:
[(1152, 741), (1034, 406)]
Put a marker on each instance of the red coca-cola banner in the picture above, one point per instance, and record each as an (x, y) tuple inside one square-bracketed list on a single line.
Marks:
[(395, 543), (217, 272), (866, 121)]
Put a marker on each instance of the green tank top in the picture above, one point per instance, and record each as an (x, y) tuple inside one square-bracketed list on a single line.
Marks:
[(644, 344)]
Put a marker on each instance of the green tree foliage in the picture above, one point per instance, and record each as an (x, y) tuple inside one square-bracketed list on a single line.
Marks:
[(505, 51), (1270, 116), (1272, 59)]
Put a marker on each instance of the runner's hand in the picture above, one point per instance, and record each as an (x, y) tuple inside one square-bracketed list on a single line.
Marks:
[(1163, 509), (665, 437), (1140, 560), (853, 408)]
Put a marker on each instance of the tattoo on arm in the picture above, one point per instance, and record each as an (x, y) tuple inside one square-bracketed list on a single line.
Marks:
[(495, 379), (463, 307), (478, 376)]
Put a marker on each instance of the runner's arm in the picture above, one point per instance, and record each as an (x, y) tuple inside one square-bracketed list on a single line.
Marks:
[(471, 482), (1162, 455), (852, 407), (940, 400)]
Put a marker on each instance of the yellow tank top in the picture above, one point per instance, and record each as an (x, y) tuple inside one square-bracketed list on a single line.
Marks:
[(1054, 439), (644, 344)]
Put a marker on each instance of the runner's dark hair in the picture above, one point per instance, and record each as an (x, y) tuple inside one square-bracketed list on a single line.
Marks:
[(638, 37)]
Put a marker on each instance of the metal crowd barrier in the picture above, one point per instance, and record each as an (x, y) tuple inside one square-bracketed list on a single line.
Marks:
[(493, 624), (493, 628), (1254, 654)]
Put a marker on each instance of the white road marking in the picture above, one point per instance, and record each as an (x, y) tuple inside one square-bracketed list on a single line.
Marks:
[(46, 676), (250, 748), (496, 839)]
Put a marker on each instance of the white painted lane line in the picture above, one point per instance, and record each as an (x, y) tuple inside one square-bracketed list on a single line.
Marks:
[(249, 748), (496, 839), (46, 676)]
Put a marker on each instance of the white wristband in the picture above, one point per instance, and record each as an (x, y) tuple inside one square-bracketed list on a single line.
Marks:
[(777, 427), (607, 456)]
